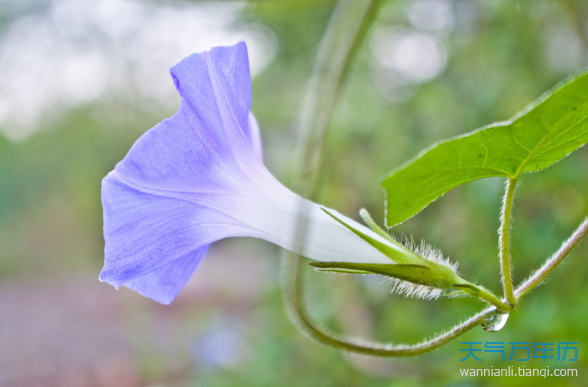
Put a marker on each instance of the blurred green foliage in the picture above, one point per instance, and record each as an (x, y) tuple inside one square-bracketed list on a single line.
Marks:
[(497, 61)]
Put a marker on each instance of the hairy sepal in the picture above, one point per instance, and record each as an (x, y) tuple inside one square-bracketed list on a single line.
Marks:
[(411, 273)]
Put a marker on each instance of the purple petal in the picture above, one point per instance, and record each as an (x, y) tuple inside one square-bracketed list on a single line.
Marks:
[(208, 137), (217, 80), (164, 284), (173, 194), (144, 231), (254, 137)]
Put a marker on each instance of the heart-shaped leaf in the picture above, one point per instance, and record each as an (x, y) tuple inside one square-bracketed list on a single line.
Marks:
[(545, 132)]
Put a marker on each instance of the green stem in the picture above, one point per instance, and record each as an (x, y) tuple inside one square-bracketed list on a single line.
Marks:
[(345, 32), (294, 277), (485, 295), (505, 264), (292, 282), (492, 299)]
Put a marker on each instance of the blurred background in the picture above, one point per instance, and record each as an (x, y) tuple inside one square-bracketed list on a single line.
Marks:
[(81, 80)]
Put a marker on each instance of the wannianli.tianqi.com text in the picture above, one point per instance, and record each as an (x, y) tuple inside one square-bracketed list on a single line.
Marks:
[(518, 371)]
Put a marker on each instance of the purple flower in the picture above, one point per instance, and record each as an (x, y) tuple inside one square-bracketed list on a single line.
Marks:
[(198, 177)]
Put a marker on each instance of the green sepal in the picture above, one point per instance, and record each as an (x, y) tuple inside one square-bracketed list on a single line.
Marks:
[(418, 274), (399, 254), (408, 266), (342, 270), (367, 219)]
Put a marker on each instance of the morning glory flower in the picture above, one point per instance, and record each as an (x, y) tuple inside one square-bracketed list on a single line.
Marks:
[(199, 176)]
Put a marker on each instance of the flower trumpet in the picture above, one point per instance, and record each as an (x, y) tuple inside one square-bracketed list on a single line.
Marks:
[(199, 176)]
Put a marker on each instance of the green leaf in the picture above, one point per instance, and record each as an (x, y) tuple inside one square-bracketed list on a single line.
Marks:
[(545, 132)]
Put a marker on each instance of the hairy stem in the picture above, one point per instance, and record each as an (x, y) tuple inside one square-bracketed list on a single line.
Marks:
[(345, 32), (292, 282), (293, 278), (504, 242), (539, 276)]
